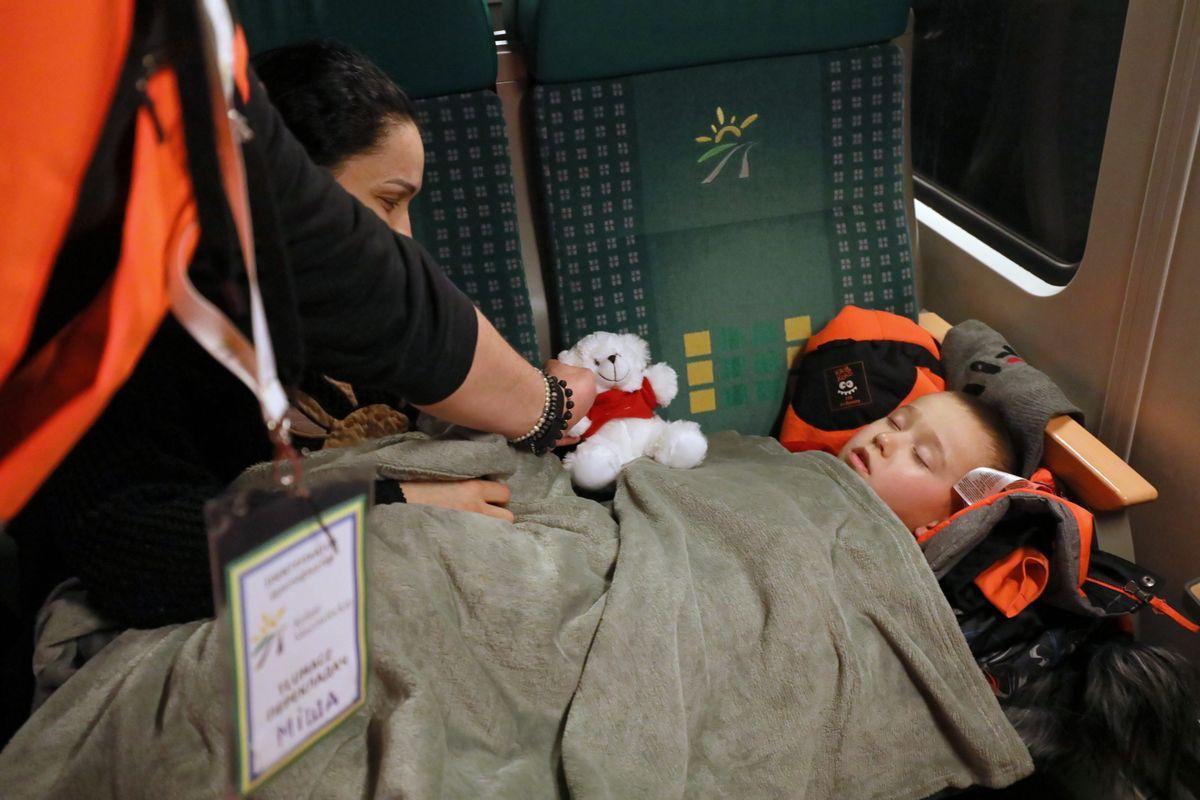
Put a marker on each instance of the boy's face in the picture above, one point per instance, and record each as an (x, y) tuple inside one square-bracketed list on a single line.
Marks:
[(913, 457)]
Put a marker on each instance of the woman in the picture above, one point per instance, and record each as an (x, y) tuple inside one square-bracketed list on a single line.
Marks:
[(124, 511), (356, 123)]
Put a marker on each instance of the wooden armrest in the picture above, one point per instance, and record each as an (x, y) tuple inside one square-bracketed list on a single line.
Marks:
[(1098, 475), (1101, 479), (937, 327)]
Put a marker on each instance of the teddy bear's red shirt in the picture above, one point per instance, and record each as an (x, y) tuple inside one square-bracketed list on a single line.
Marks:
[(618, 404)]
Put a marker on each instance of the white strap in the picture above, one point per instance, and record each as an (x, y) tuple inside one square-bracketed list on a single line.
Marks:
[(252, 362), (221, 21), (221, 338)]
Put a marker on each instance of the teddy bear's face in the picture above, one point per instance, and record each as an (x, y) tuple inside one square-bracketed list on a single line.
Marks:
[(618, 359)]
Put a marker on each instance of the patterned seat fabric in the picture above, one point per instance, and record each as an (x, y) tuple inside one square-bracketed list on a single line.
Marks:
[(442, 53), (724, 211), (466, 214)]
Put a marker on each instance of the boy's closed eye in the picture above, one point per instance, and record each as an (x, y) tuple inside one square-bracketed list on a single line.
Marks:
[(924, 462)]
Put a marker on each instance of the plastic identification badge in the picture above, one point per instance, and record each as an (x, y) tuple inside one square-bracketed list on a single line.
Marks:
[(291, 583)]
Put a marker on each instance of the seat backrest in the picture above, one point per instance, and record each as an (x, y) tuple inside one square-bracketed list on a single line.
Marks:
[(721, 177), (443, 54)]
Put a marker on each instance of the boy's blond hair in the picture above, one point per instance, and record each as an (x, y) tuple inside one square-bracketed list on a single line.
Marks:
[(1003, 454)]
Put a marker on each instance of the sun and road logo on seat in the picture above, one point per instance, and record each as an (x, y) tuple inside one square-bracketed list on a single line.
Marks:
[(726, 150)]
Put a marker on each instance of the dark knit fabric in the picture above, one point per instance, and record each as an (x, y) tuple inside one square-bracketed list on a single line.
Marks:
[(389, 492), (124, 512)]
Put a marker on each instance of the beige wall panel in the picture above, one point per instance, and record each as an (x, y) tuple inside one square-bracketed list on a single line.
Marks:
[(1166, 446)]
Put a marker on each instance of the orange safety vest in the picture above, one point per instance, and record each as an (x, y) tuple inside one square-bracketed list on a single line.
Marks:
[(56, 91)]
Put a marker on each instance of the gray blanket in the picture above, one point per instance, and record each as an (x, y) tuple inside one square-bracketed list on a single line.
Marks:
[(761, 626)]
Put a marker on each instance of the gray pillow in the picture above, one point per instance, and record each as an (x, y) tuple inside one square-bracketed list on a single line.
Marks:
[(978, 361)]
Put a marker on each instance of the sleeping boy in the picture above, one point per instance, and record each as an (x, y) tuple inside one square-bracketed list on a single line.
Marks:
[(913, 457)]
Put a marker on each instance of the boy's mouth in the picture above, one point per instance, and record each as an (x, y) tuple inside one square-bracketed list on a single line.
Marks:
[(860, 460)]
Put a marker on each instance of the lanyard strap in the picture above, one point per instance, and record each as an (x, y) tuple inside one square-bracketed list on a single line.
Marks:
[(253, 362)]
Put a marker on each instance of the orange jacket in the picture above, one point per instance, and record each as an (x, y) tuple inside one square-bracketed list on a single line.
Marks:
[(57, 89)]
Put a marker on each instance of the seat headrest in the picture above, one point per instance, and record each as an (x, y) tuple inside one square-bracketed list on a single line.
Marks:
[(576, 40), (428, 47)]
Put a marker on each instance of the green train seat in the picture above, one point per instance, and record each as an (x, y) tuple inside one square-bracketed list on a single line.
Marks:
[(443, 54), (721, 178)]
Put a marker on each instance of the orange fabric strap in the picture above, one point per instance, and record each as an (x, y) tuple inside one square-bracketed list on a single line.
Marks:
[(1016, 580), (1157, 604), (58, 82), (57, 98), (1163, 607), (54, 397), (241, 64)]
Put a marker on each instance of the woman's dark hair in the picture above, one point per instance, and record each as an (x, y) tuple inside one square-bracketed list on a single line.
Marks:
[(332, 98)]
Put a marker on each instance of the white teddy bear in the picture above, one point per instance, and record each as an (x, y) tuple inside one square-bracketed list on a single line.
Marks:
[(622, 425)]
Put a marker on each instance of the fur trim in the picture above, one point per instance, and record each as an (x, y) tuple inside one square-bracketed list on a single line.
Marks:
[(1122, 712)]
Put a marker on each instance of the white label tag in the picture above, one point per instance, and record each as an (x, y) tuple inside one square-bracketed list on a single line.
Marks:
[(983, 482), (297, 608)]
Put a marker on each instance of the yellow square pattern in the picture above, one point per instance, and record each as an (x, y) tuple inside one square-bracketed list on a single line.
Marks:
[(697, 344), (700, 372), (792, 352), (797, 328), (703, 400)]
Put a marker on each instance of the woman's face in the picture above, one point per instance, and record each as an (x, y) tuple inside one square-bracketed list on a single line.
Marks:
[(386, 179)]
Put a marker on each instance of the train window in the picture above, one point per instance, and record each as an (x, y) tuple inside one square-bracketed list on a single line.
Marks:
[(1010, 101)]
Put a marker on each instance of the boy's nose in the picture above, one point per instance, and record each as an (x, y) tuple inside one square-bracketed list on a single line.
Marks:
[(886, 442)]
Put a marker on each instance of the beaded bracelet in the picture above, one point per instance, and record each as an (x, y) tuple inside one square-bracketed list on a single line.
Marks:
[(550, 425)]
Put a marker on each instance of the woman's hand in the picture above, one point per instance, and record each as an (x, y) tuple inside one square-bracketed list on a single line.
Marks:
[(477, 496), (582, 383)]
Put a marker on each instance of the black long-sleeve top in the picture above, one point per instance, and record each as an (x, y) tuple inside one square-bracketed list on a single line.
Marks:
[(124, 511), (374, 307)]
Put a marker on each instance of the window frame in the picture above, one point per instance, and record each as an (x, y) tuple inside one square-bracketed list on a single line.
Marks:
[(1021, 251)]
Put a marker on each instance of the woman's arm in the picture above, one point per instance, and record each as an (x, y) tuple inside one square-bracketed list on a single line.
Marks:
[(503, 393), (375, 309)]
